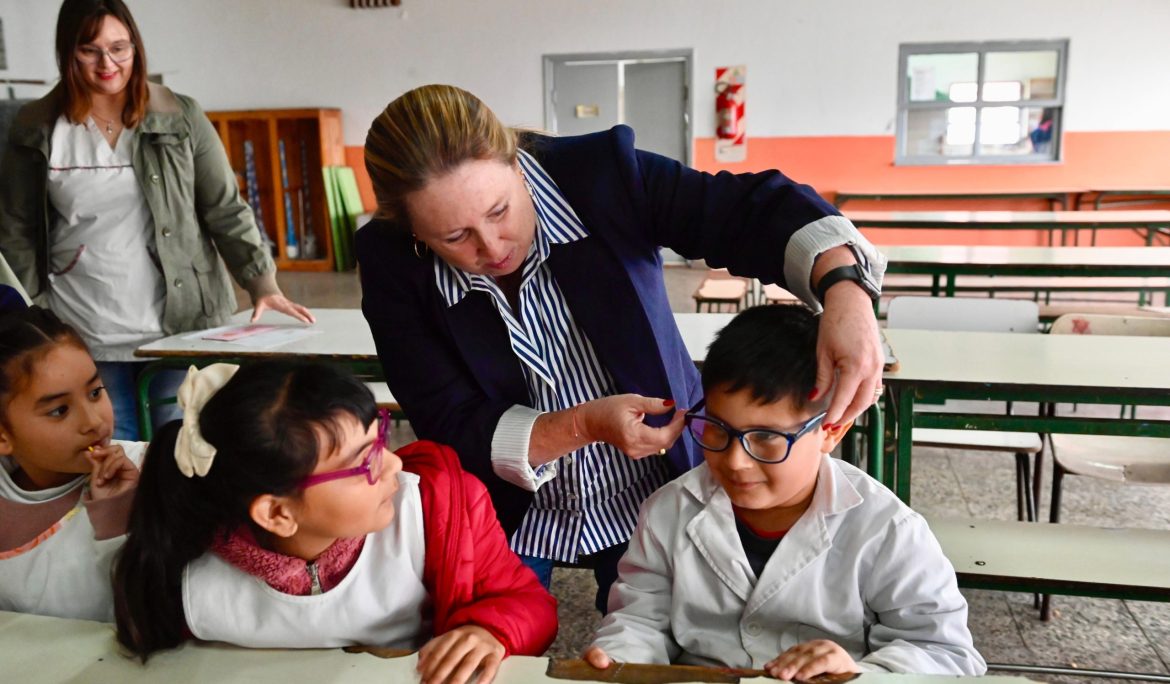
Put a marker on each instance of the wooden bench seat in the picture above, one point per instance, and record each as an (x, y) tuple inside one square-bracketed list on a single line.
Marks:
[(1117, 459), (1072, 560), (383, 398), (774, 294), (716, 293)]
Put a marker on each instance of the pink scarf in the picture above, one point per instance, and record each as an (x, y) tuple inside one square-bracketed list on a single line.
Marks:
[(287, 574)]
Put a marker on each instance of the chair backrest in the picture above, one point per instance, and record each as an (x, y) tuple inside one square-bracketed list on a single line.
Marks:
[(1103, 324), (964, 313)]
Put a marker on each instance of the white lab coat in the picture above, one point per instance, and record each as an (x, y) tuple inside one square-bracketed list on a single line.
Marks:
[(859, 567)]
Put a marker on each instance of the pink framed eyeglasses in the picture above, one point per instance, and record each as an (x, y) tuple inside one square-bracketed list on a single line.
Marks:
[(371, 465)]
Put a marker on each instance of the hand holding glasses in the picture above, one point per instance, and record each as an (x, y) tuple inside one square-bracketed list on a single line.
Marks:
[(765, 446), (371, 466)]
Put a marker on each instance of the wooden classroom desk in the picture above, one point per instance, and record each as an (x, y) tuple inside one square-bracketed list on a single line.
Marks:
[(1150, 222), (1089, 369), (945, 263), (1061, 197), (44, 649)]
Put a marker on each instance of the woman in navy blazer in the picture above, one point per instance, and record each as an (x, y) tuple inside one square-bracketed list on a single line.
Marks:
[(458, 198)]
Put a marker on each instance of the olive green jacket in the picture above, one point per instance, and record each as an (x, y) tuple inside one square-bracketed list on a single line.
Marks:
[(190, 190)]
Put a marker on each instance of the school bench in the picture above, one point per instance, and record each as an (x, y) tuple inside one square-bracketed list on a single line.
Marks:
[(1068, 560)]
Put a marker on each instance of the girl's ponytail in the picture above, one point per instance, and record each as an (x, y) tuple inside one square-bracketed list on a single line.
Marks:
[(170, 526)]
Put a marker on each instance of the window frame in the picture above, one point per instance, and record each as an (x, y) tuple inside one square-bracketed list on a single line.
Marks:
[(906, 50)]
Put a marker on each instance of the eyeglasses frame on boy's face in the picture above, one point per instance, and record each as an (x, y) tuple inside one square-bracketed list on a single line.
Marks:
[(371, 465), (92, 54), (693, 416)]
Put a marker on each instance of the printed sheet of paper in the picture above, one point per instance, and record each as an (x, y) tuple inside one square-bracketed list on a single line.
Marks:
[(255, 335)]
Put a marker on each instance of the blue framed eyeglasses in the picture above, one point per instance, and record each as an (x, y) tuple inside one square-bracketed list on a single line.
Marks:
[(765, 446)]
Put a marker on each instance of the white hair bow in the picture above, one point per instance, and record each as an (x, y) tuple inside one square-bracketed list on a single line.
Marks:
[(193, 453)]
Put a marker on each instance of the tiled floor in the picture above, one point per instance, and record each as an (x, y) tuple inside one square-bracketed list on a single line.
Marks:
[(1084, 633)]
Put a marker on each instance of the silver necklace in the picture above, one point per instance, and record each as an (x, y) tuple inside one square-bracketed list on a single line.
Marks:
[(109, 122)]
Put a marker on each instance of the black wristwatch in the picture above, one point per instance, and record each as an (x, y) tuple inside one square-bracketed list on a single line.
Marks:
[(852, 272)]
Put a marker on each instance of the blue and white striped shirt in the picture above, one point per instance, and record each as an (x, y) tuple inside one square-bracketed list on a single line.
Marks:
[(592, 501)]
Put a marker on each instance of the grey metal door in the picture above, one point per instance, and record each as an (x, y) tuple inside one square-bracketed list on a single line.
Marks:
[(650, 92), (586, 97), (655, 106)]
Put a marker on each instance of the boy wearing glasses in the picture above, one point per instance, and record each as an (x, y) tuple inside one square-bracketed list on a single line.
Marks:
[(772, 555)]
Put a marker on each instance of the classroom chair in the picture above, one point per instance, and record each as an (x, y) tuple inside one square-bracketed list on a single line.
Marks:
[(774, 294), (1128, 460), (977, 315), (718, 290)]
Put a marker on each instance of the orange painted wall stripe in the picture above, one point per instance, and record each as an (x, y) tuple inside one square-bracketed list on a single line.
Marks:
[(865, 163)]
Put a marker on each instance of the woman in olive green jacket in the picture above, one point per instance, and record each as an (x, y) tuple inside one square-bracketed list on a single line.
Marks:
[(117, 203)]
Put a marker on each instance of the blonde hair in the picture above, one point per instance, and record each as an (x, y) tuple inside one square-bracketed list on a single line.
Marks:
[(426, 133)]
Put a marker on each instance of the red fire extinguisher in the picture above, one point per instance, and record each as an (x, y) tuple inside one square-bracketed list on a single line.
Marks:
[(729, 108)]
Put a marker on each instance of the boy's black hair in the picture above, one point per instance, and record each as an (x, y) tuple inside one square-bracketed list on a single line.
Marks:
[(770, 350)]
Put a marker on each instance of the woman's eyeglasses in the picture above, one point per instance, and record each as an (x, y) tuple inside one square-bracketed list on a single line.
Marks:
[(765, 446), (371, 465), (118, 53)]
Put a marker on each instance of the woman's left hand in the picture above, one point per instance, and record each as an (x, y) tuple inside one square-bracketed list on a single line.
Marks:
[(278, 302), (453, 657), (849, 352)]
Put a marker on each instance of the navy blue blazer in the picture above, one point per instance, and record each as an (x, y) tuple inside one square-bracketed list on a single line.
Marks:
[(452, 369)]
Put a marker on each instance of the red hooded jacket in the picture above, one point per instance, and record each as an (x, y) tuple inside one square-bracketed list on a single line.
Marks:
[(469, 571)]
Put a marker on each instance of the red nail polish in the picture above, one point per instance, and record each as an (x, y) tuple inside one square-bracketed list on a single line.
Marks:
[(668, 403), (813, 394)]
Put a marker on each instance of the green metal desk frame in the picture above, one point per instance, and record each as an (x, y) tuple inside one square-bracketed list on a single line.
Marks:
[(361, 367), (903, 395)]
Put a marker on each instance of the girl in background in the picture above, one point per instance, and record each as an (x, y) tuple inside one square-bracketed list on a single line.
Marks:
[(65, 486), (274, 516)]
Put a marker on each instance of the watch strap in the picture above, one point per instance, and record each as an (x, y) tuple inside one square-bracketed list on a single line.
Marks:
[(852, 272)]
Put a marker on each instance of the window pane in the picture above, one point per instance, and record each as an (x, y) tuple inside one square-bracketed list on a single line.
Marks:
[(963, 92), (1013, 131), (1002, 91), (1035, 71), (930, 76), (946, 132)]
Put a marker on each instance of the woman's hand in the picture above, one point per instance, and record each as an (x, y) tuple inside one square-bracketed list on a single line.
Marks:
[(617, 420), (812, 658), (453, 657), (849, 351), (597, 658), (278, 302), (113, 472)]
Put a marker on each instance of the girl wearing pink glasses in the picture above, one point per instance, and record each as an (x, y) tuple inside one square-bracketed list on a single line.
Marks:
[(273, 516)]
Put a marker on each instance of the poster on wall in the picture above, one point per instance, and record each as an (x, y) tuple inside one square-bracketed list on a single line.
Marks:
[(730, 132)]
